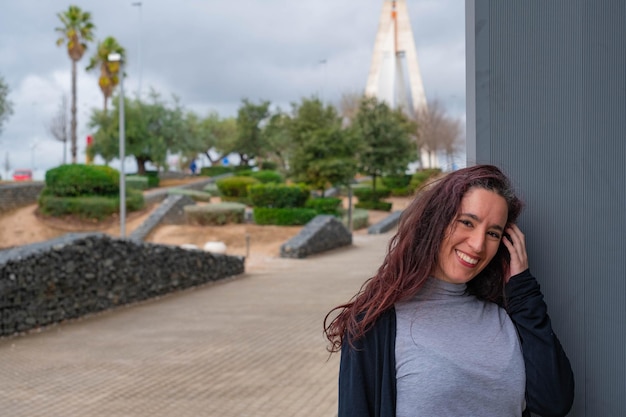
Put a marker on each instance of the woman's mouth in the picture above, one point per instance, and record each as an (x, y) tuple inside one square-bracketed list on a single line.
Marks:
[(466, 259)]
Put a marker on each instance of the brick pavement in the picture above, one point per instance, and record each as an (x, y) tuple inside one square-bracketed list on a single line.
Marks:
[(247, 347)]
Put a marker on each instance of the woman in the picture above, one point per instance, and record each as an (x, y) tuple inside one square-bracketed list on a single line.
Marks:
[(453, 323)]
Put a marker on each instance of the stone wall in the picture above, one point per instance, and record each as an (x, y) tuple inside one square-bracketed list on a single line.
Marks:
[(170, 211), (321, 234), (78, 274), (20, 194), (158, 195)]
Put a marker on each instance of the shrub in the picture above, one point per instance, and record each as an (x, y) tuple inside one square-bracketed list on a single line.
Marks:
[(401, 192), (368, 194), (325, 205), (153, 179), (194, 194), (81, 180), (278, 195), (420, 178), (215, 214), (360, 219), (235, 188), (212, 189), (88, 207), (269, 165), (283, 216), (374, 205), (214, 171), (396, 181), (137, 182), (266, 176)]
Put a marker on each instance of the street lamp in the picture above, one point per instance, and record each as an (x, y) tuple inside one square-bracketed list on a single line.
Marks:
[(115, 57), (138, 5)]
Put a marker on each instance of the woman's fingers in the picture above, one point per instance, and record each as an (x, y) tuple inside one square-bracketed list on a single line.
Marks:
[(517, 249)]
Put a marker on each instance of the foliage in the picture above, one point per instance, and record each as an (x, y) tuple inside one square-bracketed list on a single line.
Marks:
[(215, 170), (396, 181), (76, 31), (6, 106), (194, 194), (215, 214), (152, 129), (420, 178), (360, 219), (264, 176), (137, 182), (387, 144), (326, 205), (249, 143), (235, 188), (109, 71), (283, 216), (211, 189), (268, 166), (88, 207), (77, 179), (323, 152), (374, 205), (278, 195), (211, 133), (371, 194), (278, 141)]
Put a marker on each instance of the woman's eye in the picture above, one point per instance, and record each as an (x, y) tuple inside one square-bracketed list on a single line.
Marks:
[(466, 223), (494, 235)]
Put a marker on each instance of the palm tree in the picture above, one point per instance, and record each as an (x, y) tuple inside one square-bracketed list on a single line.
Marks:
[(76, 31), (109, 71)]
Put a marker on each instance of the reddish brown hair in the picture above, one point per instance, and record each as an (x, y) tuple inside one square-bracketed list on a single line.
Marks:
[(414, 250)]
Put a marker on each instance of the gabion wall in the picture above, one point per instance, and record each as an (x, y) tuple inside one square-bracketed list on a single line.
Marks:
[(16, 195), (78, 274)]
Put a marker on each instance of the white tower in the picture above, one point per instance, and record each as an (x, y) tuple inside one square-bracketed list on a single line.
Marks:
[(394, 60)]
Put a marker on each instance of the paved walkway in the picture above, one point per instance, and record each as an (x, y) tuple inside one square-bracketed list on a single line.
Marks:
[(250, 346)]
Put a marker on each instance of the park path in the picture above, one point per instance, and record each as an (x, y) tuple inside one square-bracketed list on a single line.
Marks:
[(249, 346)]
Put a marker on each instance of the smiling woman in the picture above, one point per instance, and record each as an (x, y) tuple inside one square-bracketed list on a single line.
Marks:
[(439, 330)]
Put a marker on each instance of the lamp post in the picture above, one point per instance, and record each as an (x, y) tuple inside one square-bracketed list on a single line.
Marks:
[(138, 5), (115, 57)]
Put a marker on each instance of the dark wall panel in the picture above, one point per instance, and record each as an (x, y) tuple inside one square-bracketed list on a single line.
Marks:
[(547, 98)]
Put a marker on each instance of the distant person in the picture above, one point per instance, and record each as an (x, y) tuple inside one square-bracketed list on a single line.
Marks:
[(193, 167), (453, 323)]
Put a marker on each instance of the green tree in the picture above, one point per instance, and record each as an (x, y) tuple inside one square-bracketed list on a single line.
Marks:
[(323, 153), (151, 130), (212, 133), (249, 143), (388, 146), (6, 106), (76, 30), (109, 71), (277, 138)]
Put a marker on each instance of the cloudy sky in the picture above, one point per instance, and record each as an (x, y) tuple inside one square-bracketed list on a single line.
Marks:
[(211, 54)]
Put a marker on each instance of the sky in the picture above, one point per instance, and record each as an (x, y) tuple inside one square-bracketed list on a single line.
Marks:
[(211, 54)]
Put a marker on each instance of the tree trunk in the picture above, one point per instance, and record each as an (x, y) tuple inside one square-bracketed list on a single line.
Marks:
[(105, 105), (73, 149), (141, 165)]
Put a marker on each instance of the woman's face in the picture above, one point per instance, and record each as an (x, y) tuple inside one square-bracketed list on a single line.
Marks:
[(473, 237)]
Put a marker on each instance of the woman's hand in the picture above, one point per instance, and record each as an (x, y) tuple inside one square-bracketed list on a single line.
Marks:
[(517, 248)]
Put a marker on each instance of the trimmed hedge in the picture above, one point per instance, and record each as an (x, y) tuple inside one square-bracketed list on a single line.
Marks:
[(216, 170), (283, 216), (278, 195), (88, 207), (78, 179), (264, 176), (325, 205), (215, 214), (368, 194), (194, 194), (360, 219), (137, 182), (212, 189), (235, 188), (396, 181), (374, 205)]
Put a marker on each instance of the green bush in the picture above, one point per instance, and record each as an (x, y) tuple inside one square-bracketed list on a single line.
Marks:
[(215, 171), (266, 176), (283, 216), (360, 219), (194, 194), (153, 179), (215, 214), (420, 178), (81, 180), (325, 205), (88, 207), (212, 189), (278, 195), (374, 205), (235, 188), (368, 194), (401, 192), (396, 181), (137, 182), (269, 165)]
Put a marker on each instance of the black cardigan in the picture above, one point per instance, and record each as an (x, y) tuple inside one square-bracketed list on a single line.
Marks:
[(367, 374)]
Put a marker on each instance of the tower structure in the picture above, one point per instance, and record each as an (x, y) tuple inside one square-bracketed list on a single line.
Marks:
[(394, 60)]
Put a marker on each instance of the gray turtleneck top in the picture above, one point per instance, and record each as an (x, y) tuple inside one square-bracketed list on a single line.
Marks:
[(456, 356)]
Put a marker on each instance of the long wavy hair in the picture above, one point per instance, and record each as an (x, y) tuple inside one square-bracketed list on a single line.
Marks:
[(413, 253)]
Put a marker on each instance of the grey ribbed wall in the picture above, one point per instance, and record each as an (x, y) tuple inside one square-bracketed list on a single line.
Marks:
[(547, 102)]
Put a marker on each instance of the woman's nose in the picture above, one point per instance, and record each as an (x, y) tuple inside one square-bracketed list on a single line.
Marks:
[(477, 241)]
